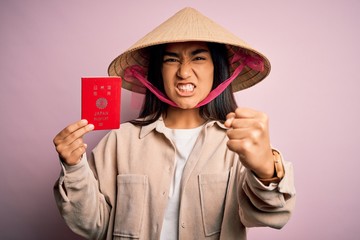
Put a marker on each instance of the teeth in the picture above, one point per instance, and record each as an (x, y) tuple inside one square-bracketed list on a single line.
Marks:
[(186, 87)]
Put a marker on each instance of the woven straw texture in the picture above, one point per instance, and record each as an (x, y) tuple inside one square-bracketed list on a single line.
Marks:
[(188, 25)]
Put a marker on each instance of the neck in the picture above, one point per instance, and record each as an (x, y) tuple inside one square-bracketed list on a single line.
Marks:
[(177, 118)]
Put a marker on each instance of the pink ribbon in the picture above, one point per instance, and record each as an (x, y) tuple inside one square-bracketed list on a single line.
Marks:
[(254, 62), (136, 74)]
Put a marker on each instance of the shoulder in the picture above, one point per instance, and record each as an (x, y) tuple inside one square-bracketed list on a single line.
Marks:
[(126, 129)]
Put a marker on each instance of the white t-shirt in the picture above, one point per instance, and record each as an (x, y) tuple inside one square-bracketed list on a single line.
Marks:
[(184, 140)]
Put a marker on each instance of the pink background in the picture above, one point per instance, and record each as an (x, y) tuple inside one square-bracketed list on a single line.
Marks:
[(311, 97)]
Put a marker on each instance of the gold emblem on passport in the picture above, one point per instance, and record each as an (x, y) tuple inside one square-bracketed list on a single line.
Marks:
[(101, 103)]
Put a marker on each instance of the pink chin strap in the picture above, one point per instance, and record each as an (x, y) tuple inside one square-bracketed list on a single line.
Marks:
[(136, 74)]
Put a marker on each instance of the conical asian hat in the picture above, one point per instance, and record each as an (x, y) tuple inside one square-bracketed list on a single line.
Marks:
[(189, 25)]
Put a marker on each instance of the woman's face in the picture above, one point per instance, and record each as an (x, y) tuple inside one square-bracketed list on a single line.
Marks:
[(188, 73)]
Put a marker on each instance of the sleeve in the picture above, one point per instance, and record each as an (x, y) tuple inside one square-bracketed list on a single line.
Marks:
[(80, 202), (262, 205)]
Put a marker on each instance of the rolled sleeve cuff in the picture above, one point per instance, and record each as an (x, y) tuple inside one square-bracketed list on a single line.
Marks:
[(285, 186), (74, 173)]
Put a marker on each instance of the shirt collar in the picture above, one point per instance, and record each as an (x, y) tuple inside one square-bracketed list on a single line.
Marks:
[(145, 130), (159, 126), (220, 124)]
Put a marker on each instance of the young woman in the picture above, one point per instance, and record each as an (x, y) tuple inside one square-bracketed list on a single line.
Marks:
[(193, 165)]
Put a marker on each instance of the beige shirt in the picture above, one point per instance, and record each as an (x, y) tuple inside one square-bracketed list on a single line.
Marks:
[(122, 191)]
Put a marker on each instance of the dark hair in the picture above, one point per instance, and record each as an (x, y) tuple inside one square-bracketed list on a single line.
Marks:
[(217, 109)]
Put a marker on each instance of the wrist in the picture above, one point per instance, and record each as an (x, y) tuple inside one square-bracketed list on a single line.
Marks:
[(266, 170), (278, 170)]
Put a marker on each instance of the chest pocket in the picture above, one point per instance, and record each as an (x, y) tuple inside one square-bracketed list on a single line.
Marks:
[(130, 206), (213, 188)]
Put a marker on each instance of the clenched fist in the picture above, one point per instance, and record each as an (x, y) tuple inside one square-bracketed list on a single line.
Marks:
[(249, 137), (69, 142)]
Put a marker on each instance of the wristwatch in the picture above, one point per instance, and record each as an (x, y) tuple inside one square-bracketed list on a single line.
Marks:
[(279, 170)]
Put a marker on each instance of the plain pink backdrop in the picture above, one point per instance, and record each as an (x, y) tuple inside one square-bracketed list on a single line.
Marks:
[(311, 97)]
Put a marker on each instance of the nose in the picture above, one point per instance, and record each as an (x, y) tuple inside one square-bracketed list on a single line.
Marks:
[(184, 70)]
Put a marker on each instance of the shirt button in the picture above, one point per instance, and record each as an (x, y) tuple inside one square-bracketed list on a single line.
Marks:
[(183, 225), (163, 193)]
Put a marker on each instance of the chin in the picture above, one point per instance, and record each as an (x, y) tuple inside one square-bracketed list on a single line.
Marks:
[(186, 106)]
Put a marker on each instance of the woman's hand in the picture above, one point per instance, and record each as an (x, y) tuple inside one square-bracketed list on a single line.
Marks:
[(249, 137), (69, 142)]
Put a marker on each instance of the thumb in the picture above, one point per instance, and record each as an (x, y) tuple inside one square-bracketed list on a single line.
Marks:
[(229, 119)]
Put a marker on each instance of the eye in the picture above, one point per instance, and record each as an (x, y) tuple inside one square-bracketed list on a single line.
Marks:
[(199, 58), (170, 60)]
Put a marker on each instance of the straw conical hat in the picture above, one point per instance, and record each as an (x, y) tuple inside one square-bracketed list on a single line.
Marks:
[(188, 25)]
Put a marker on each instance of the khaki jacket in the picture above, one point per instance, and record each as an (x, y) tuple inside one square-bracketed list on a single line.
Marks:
[(122, 191)]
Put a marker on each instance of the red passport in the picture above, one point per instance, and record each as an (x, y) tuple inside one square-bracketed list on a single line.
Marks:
[(101, 101)]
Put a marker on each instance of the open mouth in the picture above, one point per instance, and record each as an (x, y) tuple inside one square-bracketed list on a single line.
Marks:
[(188, 87)]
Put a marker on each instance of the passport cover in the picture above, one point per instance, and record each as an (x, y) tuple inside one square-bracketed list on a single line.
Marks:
[(101, 101)]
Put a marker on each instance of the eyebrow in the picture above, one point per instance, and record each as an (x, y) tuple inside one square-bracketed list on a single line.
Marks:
[(193, 53)]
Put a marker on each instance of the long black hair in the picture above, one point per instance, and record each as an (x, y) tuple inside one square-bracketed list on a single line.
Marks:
[(217, 109)]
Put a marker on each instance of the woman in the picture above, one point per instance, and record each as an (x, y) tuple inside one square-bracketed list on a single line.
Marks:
[(193, 165)]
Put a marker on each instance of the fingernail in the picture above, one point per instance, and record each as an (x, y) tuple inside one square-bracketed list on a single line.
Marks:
[(91, 126), (229, 121), (232, 118), (84, 121)]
